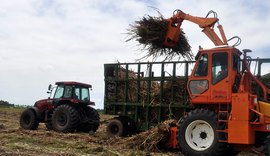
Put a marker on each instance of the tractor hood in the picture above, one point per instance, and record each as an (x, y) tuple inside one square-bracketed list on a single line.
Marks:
[(43, 104)]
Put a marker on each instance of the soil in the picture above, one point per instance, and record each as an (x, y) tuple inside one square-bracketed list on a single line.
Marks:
[(16, 141)]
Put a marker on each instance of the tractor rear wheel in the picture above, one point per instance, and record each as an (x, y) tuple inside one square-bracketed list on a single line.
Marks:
[(29, 120), (92, 118), (65, 118), (198, 136)]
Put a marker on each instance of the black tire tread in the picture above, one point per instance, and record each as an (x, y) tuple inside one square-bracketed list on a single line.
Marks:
[(266, 149), (73, 120), (34, 123), (119, 124), (91, 114), (218, 148)]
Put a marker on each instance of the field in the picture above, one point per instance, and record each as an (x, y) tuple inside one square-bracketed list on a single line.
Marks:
[(15, 141)]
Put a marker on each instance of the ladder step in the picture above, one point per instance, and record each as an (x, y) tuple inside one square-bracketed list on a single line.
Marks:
[(222, 131), (222, 140), (223, 111), (222, 120)]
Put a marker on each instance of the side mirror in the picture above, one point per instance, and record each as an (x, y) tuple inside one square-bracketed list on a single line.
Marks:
[(50, 87)]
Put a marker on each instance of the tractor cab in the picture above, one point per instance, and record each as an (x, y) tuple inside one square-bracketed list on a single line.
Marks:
[(71, 92), (215, 76)]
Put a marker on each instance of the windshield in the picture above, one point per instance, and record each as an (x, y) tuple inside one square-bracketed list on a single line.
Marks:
[(59, 92), (63, 92)]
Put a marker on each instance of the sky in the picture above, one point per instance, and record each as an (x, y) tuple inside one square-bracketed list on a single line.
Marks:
[(45, 41)]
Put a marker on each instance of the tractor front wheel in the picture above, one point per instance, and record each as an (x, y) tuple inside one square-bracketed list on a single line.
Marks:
[(65, 118), (198, 136), (29, 120)]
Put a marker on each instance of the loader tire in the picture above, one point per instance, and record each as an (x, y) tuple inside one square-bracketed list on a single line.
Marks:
[(197, 134), (115, 128), (266, 149), (29, 120), (93, 116), (65, 119)]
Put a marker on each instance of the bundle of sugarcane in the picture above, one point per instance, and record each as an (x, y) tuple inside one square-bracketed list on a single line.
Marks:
[(265, 79), (173, 91), (151, 140), (150, 32), (133, 85), (128, 76)]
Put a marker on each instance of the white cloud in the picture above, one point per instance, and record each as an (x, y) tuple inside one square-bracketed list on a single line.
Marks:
[(43, 41)]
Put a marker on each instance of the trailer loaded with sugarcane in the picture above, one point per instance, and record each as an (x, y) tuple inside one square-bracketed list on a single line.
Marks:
[(220, 107), (144, 94)]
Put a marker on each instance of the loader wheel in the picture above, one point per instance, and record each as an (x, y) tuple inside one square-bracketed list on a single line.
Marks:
[(65, 119), (197, 134), (29, 120), (92, 116), (266, 149), (115, 128)]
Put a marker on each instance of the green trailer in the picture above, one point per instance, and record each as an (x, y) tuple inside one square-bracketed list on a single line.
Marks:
[(143, 94)]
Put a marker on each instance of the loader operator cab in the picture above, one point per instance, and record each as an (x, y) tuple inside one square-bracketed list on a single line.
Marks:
[(214, 74), (73, 92)]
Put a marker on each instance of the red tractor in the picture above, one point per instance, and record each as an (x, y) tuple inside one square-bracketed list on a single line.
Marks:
[(68, 111)]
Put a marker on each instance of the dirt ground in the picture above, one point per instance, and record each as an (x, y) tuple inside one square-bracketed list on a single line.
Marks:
[(15, 141)]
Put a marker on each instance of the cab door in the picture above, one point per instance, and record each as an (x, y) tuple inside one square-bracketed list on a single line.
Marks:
[(220, 85), (198, 84)]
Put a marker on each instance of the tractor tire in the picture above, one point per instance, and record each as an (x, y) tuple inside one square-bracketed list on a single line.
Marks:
[(48, 125), (197, 134), (93, 116), (65, 119), (115, 128), (29, 120), (266, 149)]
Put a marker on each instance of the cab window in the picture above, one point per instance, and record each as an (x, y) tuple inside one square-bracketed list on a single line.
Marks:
[(219, 67), (68, 92), (85, 94), (202, 68), (82, 94)]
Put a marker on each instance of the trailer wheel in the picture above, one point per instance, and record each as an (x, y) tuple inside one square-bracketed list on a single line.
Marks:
[(197, 134), (65, 118), (29, 120), (115, 128), (129, 125), (266, 149)]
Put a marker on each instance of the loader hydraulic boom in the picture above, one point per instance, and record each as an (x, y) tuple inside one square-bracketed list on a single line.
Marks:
[(206, 23)]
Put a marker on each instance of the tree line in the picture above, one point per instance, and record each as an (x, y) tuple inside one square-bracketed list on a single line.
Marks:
[(6, 103)]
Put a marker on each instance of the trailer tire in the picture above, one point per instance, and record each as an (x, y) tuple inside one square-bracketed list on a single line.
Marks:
[(115, 128), (29, 119), (65, 118), (197, 134)]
